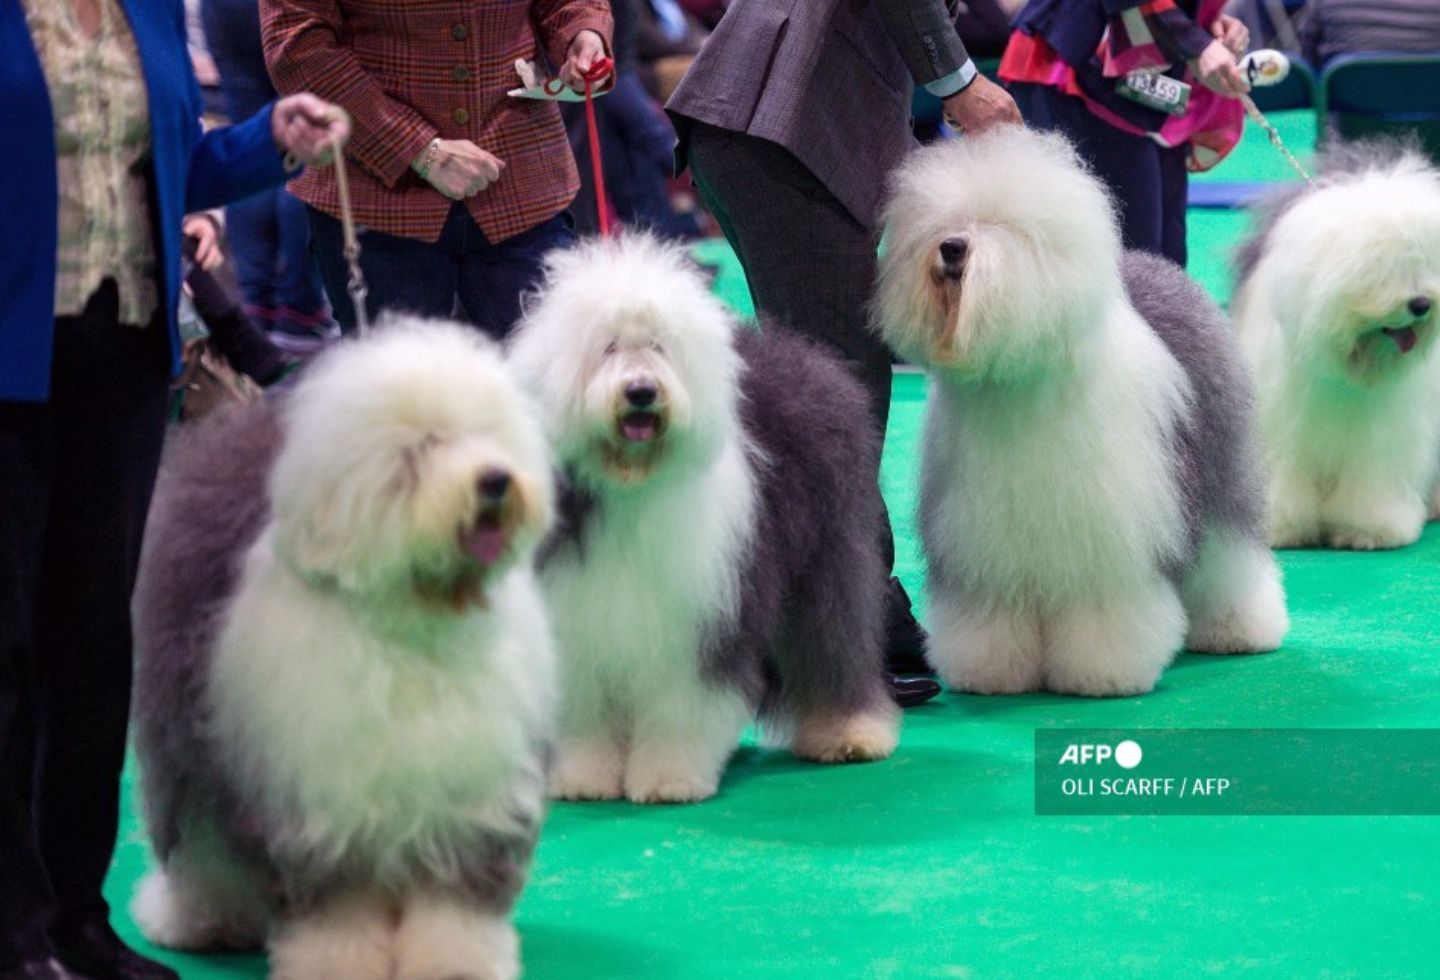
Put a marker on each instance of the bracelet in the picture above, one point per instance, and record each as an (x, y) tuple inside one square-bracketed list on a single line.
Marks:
[(428, 160)]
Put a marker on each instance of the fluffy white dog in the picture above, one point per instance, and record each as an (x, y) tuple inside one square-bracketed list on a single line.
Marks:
[(719, 553), (1091, 501), (1336, 312), (344, 691)]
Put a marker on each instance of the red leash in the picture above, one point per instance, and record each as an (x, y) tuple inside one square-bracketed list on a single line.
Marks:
[(599, 70)]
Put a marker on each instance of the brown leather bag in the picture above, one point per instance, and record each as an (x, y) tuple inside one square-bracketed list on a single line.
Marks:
[(207, 382)]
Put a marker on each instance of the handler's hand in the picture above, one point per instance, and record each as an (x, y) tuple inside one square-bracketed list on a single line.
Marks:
[(308, 128), (460, 169), (201, 227), (585, 50), (1218, 71), (1232, 32), (980, 105)]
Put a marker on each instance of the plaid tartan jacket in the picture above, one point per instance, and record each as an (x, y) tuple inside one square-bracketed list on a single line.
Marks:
[(408, 71)]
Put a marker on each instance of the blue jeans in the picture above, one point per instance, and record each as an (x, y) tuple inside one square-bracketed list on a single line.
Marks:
[(1147, 180), (267, 232), (462, 271)]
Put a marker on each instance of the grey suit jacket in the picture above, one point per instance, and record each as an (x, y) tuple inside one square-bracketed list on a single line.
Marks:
[(829, 80)]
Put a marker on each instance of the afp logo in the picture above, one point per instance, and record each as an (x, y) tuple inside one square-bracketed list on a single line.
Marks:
[(1127, 754)]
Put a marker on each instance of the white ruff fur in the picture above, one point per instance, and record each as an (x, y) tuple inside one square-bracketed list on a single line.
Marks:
[(381, 746), (1050, 507), (1057, 500), (1353, 448), (370, 724), (637, 718)]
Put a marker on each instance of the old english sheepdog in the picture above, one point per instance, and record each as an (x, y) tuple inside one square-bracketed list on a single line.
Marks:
[(718, 557), (1091, 500), (1335, 310), (345, 677)]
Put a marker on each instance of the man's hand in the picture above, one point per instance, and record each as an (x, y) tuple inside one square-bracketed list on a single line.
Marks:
[(1232, 32), (1218, 71), (980, 105), (458, 168), (587, 48), (308, 128), (201, 227)]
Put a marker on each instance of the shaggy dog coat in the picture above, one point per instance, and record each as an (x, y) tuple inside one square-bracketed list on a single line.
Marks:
[(343, 691), (1335, 309), (1091, 497), (719, 556)]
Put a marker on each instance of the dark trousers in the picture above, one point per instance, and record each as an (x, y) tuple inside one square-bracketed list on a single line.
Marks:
[(1147, 180), (76, 473), (810, 264), (431, 279), (268, 233)]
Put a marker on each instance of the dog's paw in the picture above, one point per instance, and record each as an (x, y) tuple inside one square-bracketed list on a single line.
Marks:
[(587, 771), (438, 939), (863, 737), (1377, 538), (349, 939), (984, 651), (666, 785)]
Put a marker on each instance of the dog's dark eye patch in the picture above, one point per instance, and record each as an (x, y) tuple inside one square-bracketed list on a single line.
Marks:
[(612, 347), (657, 347)]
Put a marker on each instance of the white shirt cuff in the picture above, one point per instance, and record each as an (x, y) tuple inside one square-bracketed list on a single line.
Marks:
[(943, 88)]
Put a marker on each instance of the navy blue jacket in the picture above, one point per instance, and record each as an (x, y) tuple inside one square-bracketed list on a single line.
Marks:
[(191, 172)]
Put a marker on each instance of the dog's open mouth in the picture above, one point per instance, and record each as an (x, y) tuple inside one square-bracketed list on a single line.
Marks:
[(486, 539), (1405, 338), (641, 427)]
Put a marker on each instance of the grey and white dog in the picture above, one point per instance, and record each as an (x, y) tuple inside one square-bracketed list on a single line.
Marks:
[(1091, 495), (344, 687), (1335, 308), (719, 555)]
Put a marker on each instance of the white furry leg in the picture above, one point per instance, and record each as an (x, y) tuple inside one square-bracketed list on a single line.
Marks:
[(444, 938), (1370, 519), (1117, 646), (863, 736), (984, 649), (1294, 512), (1233, 597), (200, 899), (588, 767), (682, 741), (345, 939)]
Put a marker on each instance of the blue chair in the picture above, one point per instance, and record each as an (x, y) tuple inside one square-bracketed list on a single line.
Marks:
[(1374, 94)]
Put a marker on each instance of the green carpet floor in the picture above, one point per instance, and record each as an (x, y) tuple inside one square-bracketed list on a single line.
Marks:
[(932, 864)]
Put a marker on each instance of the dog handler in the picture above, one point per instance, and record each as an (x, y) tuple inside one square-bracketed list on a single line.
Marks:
[(106, 158), (790, 119)]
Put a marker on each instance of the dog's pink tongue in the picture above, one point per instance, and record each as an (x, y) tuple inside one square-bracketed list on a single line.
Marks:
[(1404, 338), (640, 427), (484, 544)]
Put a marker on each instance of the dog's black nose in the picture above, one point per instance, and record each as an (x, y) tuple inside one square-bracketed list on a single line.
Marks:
[(952, 251), (494, 484), (640, 394), (1420, 305)]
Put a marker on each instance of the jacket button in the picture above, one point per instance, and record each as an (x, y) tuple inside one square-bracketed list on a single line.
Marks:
[(459, 73), (460, 116), (459, 32)]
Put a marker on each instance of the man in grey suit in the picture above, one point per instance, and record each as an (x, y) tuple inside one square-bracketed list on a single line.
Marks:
[(790, 119)]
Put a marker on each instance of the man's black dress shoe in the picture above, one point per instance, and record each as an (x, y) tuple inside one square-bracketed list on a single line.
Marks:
[(910, 691), (904, 636), (92, 948), (46, 969)]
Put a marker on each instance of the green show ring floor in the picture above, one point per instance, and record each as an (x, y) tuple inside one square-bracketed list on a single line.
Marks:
[(932, 864)]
